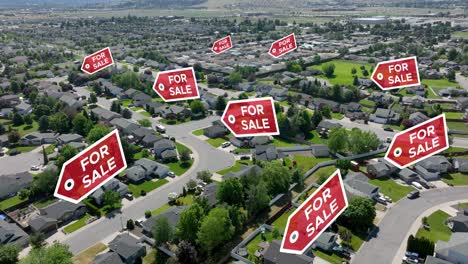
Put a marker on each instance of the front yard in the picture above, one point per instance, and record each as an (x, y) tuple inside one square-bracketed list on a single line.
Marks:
[(76, 225), (146, 186), (306, 163), (236, 167), (438, 230), (456, 179), (283, 143), (10, 202), (391, 189), (22, 149), (89, 254), (314, 138), (215, 142), (178, 168)]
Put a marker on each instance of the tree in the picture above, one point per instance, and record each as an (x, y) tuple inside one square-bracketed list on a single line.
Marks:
[(111, 199), (66, 153), (452, 54), (9, 254), (55, 254), (191, 185), (277, 178), (59, 122), (197, 107), (15, 87), (162, 231), (204, 176), (317, 117), (17, 119), (97, 89), (145, 122), (337, 93), (237, 215), (278, 108), (185, 157), (235, 78), (353, 71), (28, 119), (44, 156), (328, 69), (337, 139), (244, 96), (216, 228), (321, 179), (43, 123), (220, 103), (343, 164), (189, 223), (97, 133), (230, 192), (43, 184), (302, 121), (257, 198), (298, 178), (116, 107), (345, 234), (362, 141), (81, 125), (126, 113), (130, 224), (92, 98), (359, 215), (451, 75), (14, 136), (407, 123), (186, 253), (36, 240)]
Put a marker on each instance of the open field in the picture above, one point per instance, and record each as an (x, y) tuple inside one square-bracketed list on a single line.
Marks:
[(342, 74)]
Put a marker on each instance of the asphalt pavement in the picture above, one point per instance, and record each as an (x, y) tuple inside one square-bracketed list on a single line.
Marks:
[(21, 162)]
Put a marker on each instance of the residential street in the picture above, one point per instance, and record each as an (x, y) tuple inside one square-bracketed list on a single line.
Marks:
[(394, 227), (21, 162)]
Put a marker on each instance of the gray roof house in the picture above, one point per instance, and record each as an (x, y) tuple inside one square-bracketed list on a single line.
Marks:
[(165, 149), (244, 171), (68, 138), (141, 99), (455, 250), (461, 165), (10, 233), (130, 249), (146, 168), (356, 184), (325, 126), (72, 101), (267, 153), (172, 215), (141, 132), (384, 116), (114, 185), (418, 118), (326, 241), (108, 258), (124, 126), (381, 168), (11, 184), (23, 108), (462, 103), (273, 255), (431, 167), (214, 131), (149, 140), (434, 260), (63, 211), (37, 138), (104, 114), (209, 191), (42, 224), (408, 175), (459, 223), (320, 150)]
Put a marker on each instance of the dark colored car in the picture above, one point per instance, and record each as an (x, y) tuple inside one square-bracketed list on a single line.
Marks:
[(389, 129), (413, 195)]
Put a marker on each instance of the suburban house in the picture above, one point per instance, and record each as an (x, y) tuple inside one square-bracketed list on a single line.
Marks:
[(408, 175), (10, 100), (139, 133), (415, 101), (38, 138), (146, 169), (172, 215), (267, 153), (380, 168), (459, 223), (72, 101), (165, 149), (350, 108), (114, 185), (320, 150), (124, 126), (455, 250), (273, 255), (23, 108), (141, 99), (214, 131), (129, 248), (381, 98), (326, 241), (319, 103), (10, 233), (68, 138), (244, 171), (430, 168), (461, 165), (43, 224), (209, 192), (451, 91), (356, 184), (174, 112), (105, 115), (417, 118), (462, 103), (108, 258), (324, 127), (63, 211), (384, 116), (417, 90), (279, 94), (11, 184)]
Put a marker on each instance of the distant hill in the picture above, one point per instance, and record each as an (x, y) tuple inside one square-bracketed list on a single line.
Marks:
[(56, 3), (161, 3)]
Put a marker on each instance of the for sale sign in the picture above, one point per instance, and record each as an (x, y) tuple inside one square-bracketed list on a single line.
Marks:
[(176, 85), (97, 61), (314, 215), (283, 46), (91, 168), (418, 142), (222, 45), (251, 117), (396, 73)]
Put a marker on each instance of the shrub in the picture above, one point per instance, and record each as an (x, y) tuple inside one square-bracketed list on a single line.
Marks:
[(130, 224), (147, 213)]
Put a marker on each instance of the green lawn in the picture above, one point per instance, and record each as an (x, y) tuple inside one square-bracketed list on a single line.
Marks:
[(150, 258), (160, 209), (438, 229), (457, 125), (44, 203), (281, 222), (76, 225), (334, 259), (456, 179), (367, 103), (391, 188), (462, 34), (181, 147), (356, 239), (337, 116), (253, 245), (10, 202), (314, 137), (136, 108), (394, 127), (284, 143), (215, 142), (26, 129), (242, 150), (307, 162), (50, 149), (198, 132), (440, 83), (139, 155), (178, 168), (342, 74), (22, 149), (145, 113), (235, 168), (186, 200), (147, 186), (327, 171), (453, 115), (126, 102)]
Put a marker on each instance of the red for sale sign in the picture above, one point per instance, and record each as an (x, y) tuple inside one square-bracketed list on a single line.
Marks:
[(91, 168), (314, 215), (283, 46), (176, 85), (97, 61), (396, 73), (251, 117), (418, 142), (222, 45)]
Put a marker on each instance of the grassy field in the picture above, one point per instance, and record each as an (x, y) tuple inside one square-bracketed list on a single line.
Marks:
[(22, 149), (367, 103), (453, 115), (456, 179), (26, 129), (253, 245), (391, 188), (281, 222), (334, 259), (342, 74), (160, 209), (49, 150), (150, 258), (307, 162), (314, 137), (438, 229), (198, 132), (235, 168), (76, 225), (178, 168), (186, 200), (462, 34), (338, 116), (215, 142), (284, 143), (147, 186), (440, 83), (126, 102), (457, 125), (44, 203), (10, 202), (181, 147), (87, 256)]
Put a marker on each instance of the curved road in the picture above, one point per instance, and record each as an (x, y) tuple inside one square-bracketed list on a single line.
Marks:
[(394, 227)]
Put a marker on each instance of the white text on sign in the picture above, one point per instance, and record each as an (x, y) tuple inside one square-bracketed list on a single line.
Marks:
[(254, 110), (181, 89), (94, 158), (101, 59), (421, 135), (325, 200)]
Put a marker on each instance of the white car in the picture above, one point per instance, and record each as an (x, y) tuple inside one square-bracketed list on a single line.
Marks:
[(226, 144), (417, 185), (139, 222), (171, 174), (35, 167), (160, 128)]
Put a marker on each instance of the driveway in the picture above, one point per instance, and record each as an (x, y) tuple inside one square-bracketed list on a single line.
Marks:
[(393, 228)]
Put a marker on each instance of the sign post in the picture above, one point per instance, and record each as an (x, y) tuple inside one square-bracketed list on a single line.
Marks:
[(176, 85), (396, 74), (314, 215), (251, 117), (283, 46), (91, 168), (418, 142), (222, 45), (97, 61)]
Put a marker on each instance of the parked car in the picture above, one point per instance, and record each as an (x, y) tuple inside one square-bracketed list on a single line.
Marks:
[(389, 140), (410, 260), (417, 185), (14, 152), (226, 144), (389, 129), (411, 254), (388, 199), (128, 196), (139, 222), (425, 184), (35, 168), (171, 174), (413, 195), (2, 153), (160, 128), (381, 200)]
